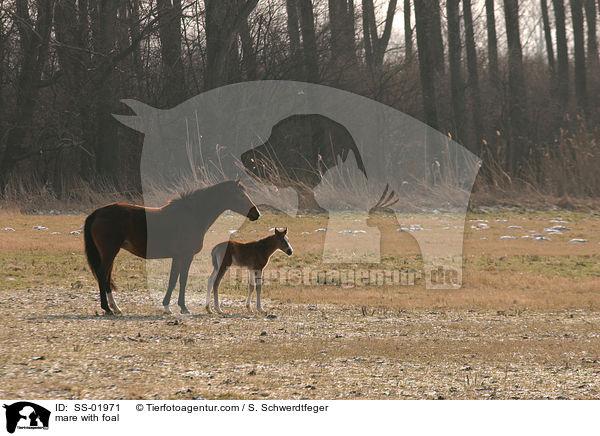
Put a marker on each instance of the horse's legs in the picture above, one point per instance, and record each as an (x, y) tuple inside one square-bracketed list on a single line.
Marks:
[(173, 276), (104, 273), (183, 276), (111, 300), (209, 288), (104, 285), (250, 289), (217, 281), (258, 289)]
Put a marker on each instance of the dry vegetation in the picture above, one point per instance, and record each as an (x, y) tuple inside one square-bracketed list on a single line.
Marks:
[(524, 325)]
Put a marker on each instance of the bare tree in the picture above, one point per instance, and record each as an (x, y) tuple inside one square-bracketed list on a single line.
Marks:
[(592, 38), (34, 37), (341, 25), (580, 69), (408, 32), (562, 56), (309, 40), (224, 19), (548, 38), (518, 146), (425, 22), (248, 51), (376, 46), (473, 76), (456, 76), (293, 31), (492, 43), (169, 31)]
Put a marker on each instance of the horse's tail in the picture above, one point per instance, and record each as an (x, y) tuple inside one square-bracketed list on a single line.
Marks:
[(91, 251)]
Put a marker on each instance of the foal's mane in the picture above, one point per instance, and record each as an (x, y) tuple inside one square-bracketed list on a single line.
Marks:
[(191, 197)]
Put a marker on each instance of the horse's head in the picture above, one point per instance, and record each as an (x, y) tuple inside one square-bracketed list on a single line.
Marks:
[(240, 202), (282, 240)]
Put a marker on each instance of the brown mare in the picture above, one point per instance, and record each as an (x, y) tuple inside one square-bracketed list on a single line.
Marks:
[(175, 231), (252, 255)]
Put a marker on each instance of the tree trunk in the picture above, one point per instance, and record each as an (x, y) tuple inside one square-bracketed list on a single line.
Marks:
[(473, 77), (456, 77), (580, 69), (492, 44), (375, 46), (34, 38), (408, 33), (562, 56), (341, 24), (293, 30), (548, 39), (435, 36), (248, 51), (424, 24), (517, 112), (309, 40), (106, 147), (224, 20), (169, 31), (592, 38)]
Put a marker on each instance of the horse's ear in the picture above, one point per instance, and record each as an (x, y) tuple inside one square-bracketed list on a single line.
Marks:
[(135, 122)]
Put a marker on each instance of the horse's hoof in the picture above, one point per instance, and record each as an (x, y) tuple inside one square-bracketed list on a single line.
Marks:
[(184, 311), (249, 309), (118, 312), (166, 310), (207, 309), (108, 313)]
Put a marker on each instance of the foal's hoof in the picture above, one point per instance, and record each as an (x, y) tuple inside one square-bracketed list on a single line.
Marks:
[(207, 307), (184, 311), (166, 310), (108, 313)]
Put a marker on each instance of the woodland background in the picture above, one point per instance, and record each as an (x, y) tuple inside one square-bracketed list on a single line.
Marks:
[(516, 82)]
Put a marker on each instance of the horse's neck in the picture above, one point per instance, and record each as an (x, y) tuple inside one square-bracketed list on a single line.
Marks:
[(211, 213), (268, 245)]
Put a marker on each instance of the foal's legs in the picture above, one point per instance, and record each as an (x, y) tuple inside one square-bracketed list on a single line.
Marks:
[(183, 276), (258, 274), (172, 282), (209, 288), (250, 289), (217, 281)]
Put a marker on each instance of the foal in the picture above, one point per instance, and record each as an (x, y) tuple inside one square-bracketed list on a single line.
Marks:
[(252, 255)]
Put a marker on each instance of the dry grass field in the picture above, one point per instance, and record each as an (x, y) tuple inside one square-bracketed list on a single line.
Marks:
[(525, 323)]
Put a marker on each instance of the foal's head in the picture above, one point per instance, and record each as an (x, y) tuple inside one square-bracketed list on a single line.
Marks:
[(239, 201), (282, 241)]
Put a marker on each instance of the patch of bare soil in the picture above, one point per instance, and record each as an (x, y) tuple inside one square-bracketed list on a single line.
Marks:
[(54, 345)]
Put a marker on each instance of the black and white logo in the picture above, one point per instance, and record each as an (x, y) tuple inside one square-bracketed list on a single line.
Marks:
[(26, 415)]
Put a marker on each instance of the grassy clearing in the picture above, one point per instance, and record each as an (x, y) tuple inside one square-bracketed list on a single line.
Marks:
[(524, 324)]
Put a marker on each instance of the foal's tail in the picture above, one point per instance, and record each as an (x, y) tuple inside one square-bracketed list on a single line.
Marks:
[(91, 251)]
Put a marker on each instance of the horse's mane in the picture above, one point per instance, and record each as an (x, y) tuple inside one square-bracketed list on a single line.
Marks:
[(194, 195)]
